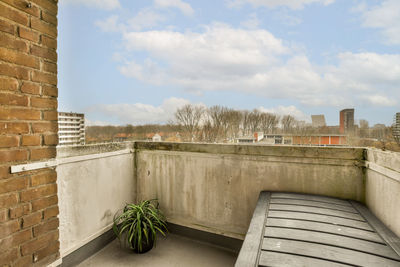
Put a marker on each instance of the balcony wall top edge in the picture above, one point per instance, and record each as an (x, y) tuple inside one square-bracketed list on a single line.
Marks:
[(349, 153), (80, 150)]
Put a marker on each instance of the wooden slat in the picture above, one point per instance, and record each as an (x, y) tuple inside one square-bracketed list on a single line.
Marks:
[(322, 211), (327, 228), (311, 203), (320, 218), (390, 238), (330, 239), (311, 197), (248, 255), (269, 258), (336, 254)]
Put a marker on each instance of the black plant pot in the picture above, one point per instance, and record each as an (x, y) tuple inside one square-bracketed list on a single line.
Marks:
[(145, 246)]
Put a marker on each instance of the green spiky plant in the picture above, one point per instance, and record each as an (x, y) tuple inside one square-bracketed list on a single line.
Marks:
[(139, 223)]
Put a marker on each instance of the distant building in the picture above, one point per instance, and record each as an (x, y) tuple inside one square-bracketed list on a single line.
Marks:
[(318, 121), (156, 138), (248, 139), (346, 121), (313, 140), (396, 127), (120, 137), (71, 129)]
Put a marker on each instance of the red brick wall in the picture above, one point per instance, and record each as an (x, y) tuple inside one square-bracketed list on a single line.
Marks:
[(28, 132)]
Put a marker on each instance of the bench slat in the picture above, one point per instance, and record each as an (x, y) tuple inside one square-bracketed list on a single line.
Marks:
[(341, 255), (327, 228), (320, 218), (312, 204), (333, 240), (269, 258), (322, 211)]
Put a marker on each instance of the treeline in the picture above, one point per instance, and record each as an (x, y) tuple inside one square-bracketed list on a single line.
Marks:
[(222, 124), (108, 133)]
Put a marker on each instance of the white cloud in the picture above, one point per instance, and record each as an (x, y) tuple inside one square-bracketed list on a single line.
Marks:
[(102, 4), (386, 17), (184, 7), (286, 110), (139, 113), (110, 24), (252, 23), (256, 62), (292, 4), (379, 100), (145, 19)]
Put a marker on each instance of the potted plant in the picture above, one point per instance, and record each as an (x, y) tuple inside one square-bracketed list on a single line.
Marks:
[(138, 225)]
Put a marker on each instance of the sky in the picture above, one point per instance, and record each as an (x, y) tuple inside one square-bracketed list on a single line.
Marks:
[(135, 62)]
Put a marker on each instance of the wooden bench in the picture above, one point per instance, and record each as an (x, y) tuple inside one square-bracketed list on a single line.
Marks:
[(289, 229)]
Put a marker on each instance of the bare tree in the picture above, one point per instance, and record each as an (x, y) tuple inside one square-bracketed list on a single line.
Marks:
[(269, 122), (255, 121), (189, 117), (288, 123)]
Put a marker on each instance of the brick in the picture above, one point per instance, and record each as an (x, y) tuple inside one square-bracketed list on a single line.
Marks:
[(31, 140), (38, 102), (13, 184), (44, 178), (44, 127), (43, 203), (16, 239), (43, 77), (8, 200), (9, 141), (49, 67), (3, 215), (39, 243), (49, 90), (6, 26), (18, 211), (49, 5), (8, 256), (23, 262), (49, 42), (31, 219), (50, 212), (13, 100), (13, 155), (18, 58), (5, 172), (30, 88), (8, 84), (52, 248), (9, 41), (18, 114), (43, 153), (44, 27), (49, 18), (14, 128), (28, 34), (22, 5), (14, 15), (46, 227), (50, 139), (14, 71), (38, 192), (8, 228), (44, 53), (50, 115)]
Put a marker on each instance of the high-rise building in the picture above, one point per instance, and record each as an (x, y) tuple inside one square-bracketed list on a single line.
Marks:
[(346, 121), (396, 127), (71, 129), (318, 120)]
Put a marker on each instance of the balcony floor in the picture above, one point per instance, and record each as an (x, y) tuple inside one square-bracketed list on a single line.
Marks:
[(174, 250)]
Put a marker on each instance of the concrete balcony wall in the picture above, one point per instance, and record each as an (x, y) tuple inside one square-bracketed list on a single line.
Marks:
[(383, 187), (215, 187), (94, 182)]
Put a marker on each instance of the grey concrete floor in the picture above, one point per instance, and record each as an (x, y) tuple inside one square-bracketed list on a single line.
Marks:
[(174, 250)]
